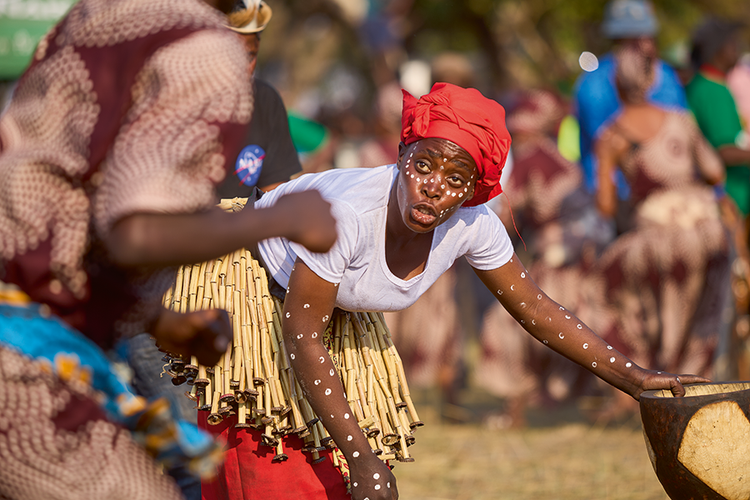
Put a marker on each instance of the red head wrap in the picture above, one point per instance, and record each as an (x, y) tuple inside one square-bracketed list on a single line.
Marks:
[(468, 119)]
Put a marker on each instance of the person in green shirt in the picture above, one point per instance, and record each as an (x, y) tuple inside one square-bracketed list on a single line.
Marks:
[(715, 51)]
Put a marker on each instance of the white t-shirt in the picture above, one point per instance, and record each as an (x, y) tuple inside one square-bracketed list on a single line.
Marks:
[(359, 200)]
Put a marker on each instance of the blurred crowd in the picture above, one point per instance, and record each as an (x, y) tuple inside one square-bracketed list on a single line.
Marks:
[(627, 197)]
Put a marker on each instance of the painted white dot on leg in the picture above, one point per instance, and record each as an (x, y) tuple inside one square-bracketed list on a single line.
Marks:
[(593, 364), (332, 373), (322, 360), (346, 416), (561, 335), (612, 359), (317, 382), (306, 306), (328, 392), (377, 486), (376, 476), (628, 364), (355, 454), (349, 438)]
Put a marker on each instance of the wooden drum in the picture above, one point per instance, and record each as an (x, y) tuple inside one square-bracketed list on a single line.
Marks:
[(699, 445)]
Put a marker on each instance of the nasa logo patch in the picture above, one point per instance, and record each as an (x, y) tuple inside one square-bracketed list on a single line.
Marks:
[(249, 164)]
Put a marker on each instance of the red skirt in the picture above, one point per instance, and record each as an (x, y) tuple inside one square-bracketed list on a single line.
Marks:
[(249, 473)]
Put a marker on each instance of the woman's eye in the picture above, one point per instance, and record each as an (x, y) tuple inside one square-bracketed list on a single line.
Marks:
[(455, 181), (421, 166)]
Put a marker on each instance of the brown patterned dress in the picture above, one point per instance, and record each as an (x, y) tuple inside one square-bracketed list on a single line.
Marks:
[(128, 106), (665, 282)]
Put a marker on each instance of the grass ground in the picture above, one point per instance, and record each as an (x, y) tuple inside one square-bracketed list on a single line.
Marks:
[(559, 456)]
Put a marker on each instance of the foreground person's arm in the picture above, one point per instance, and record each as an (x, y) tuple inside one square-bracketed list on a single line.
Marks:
[(158, 240), (560, 330), (308, 307)]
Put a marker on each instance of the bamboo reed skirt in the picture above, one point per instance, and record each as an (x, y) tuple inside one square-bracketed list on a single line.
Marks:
[(252, 399)]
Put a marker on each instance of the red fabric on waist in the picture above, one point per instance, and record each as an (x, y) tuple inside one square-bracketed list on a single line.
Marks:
[(248, 472)]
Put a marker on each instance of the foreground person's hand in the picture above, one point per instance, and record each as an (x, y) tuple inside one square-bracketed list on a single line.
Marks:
[(372, 478), (311, 222), (663, 380), (204, 334)]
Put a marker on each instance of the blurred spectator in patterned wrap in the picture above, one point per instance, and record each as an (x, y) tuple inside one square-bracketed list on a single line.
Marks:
[(563, 235), (629, 23), (665, 281)]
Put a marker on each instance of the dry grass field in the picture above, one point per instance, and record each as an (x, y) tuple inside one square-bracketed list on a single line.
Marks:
[(559, 456)]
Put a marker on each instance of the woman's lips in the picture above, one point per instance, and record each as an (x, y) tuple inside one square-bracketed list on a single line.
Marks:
[(423, 214)]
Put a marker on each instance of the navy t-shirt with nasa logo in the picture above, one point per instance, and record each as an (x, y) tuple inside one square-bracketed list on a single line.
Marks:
[(269, 155)]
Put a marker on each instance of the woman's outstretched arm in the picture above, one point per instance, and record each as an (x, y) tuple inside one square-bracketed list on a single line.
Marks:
[(563, 332)]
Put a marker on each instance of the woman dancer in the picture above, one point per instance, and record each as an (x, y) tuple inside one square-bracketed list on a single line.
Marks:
[(400, 227)]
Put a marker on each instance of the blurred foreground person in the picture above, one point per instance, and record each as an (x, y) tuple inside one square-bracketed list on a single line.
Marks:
[(110, 151), (563, 235), (666, 279), (266, 159)]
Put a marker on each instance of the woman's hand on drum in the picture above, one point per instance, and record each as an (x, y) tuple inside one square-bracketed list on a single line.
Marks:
[(372, 479), (653, 380)]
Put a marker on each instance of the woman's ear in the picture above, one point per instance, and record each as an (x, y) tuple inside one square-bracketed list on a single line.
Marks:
[(401, 151)]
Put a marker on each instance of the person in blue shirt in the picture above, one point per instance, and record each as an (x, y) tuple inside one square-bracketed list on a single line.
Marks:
[(596, 101)]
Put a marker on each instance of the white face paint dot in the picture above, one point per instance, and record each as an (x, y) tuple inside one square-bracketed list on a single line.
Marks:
[(460, 195), (609, 347), (322, 360), (659, 373), (388, 484), (356, 484), (586, 345), (377, 486), (315, 335), (579, 326), (292, 356), (593, 364), (523, 275), (325, 318), (612, 359), (306, 306), (355, 454), (376, 476), (539, 297), (442, 186), (331, 373), (533, 322), (628, 364), (349, 438), (512, 287), (328, 392), (331, 415), (412, 176), (562, 308), (561, 335), (300, 336), (346, 416), (317, 382), (567, 317), (288, 314)]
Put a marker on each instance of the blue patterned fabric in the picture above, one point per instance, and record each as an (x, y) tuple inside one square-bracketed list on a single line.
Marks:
[(76, 360)]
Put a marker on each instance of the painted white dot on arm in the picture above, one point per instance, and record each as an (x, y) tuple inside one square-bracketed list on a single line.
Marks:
[(377, 486), (593, 364), (539, 297), (288, 314), (328, 392), (609, 347), (315, 335), (332, 373), (355, 454), (561, 335), (317, 382), (585, 345), (346, 416), (349, 438), (512, 287), (628, 364), (306, 306), (322, 360), (579, 326), (292, 356), (612, 359), (325, 318), (376, 476)]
